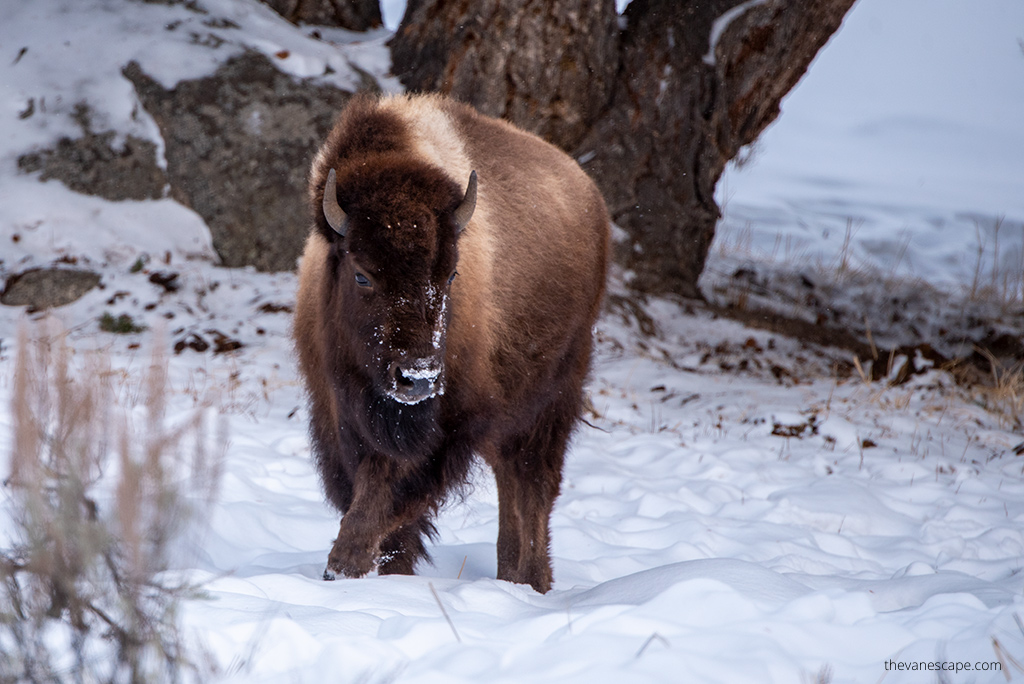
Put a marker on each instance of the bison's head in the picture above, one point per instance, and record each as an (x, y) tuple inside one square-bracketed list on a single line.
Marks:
[(393, 232)]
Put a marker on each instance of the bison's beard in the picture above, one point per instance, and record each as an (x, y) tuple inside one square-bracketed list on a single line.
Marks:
[(402, 431)]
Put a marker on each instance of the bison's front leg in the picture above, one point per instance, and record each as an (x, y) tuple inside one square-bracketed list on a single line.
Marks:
[(373, 516), (355, 550)]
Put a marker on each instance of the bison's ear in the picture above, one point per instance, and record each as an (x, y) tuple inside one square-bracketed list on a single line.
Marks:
[(464, 211), (333, 212)]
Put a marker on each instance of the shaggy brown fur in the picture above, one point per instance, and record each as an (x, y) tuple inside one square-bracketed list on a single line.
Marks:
[(503, 310)]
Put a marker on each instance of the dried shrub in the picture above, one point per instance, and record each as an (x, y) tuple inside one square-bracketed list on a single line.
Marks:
[(1004, 396), (95, 508)]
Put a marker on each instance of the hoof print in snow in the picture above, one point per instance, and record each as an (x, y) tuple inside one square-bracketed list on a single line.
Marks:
[(46, 288)]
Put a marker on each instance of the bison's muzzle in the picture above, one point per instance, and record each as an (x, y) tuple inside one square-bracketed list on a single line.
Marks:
[(415, 380)]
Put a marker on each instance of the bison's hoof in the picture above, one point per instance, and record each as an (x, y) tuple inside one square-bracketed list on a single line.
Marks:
[(348, 562), (329, 576)]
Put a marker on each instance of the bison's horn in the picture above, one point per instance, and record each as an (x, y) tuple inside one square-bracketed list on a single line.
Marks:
[(333, 212), (464, 211)]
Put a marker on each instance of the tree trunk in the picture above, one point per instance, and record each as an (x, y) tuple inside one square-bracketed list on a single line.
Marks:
[(354, 15), (682, 108), (548, 66), (653, 110)]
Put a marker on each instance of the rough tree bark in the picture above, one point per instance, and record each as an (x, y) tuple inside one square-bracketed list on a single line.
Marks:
[(693, 82), (548, 66), (354, 15)]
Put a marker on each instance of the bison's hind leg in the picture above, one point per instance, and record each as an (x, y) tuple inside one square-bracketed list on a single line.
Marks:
[(403, 548), (527, 468), (528, 472)]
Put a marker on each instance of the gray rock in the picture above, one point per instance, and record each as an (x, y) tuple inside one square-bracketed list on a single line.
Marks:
[(354, 15), (92, 165), (45, 288), (238, 147)]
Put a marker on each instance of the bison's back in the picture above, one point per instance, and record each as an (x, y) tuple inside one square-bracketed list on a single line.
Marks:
[(538, 245), (546, 219)]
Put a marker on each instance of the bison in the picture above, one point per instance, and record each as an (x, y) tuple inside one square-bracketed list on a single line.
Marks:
[(445, 309)]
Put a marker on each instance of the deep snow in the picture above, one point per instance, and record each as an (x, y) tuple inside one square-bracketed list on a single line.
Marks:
[(735, 513)]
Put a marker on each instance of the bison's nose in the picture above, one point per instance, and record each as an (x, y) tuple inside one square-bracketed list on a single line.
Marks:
[(416, 379)]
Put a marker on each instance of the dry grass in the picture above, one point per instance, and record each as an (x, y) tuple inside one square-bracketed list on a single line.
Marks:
[(96, 508), (842, 265), (998, 270), (1005, 397)]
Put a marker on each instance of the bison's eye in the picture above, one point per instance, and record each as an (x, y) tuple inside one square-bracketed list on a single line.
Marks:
[(362, 281), (452, 277)]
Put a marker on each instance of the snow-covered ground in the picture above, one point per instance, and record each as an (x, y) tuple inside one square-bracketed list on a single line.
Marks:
[(906, 132), (736, 511)]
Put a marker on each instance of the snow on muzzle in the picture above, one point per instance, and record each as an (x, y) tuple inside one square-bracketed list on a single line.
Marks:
[(414, 380)]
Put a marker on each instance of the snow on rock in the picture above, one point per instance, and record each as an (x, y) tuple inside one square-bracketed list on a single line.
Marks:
[(58, 53), (45, 221), (88, 92)]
